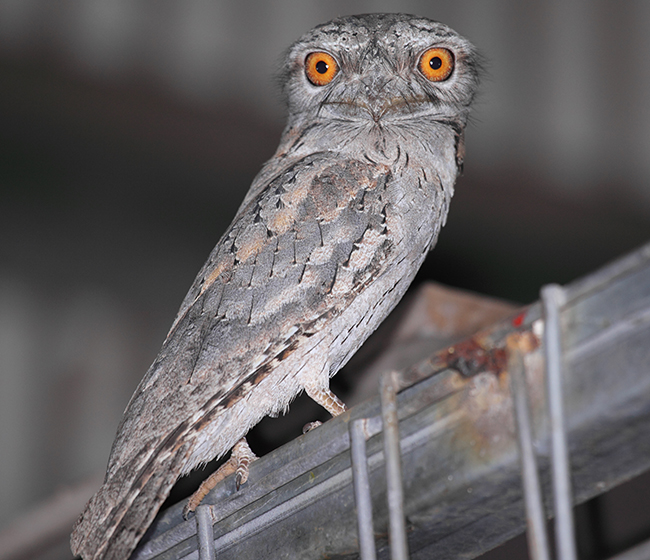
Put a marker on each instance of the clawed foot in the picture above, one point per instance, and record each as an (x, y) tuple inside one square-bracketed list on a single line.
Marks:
[(309, 426), (328, 400), (241, 457)]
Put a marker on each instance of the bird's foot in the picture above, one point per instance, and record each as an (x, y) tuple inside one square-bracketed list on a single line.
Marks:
[(245, 457), (309, 426), (328, 400), (241, 457)]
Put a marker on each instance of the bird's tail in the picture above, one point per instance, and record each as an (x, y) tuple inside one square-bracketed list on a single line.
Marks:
[(120, 512)]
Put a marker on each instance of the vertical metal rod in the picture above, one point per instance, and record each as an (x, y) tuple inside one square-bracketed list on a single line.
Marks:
[(538, 547), (362, 490), (397, 532), (553, 298), (204, 533)]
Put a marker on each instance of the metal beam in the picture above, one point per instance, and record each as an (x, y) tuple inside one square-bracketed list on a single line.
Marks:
[(460, 464)]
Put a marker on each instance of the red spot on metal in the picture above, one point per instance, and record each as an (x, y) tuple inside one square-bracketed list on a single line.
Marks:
[(519, 320)]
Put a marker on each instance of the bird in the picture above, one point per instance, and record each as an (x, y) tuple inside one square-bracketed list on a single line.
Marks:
[(325, 243)]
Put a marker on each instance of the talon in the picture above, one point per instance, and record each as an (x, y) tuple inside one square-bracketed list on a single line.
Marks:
[(186, 511), (241, 456), (310, 426)]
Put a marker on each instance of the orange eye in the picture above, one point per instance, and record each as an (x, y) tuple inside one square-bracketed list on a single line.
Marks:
[(436, 64), (320, 68)]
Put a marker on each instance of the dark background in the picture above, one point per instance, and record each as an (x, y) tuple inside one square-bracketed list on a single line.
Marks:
[(129, 133)]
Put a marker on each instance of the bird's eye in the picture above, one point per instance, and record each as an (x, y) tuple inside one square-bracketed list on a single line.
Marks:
[(320, 68), (436, 64)]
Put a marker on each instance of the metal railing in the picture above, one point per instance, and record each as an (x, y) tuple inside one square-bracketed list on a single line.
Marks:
[(567, 378)]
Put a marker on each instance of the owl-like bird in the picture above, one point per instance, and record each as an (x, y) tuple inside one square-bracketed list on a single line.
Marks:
[(324, 245)]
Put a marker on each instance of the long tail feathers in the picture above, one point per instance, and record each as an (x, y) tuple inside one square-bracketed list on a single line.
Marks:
[(120, 512)]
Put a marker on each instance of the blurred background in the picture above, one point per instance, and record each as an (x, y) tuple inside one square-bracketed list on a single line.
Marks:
[(130, 131)]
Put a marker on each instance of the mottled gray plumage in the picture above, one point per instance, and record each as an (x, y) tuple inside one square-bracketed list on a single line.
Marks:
[(326, 242)]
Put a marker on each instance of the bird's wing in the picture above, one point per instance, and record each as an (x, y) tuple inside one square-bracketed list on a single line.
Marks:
[(295, 255)]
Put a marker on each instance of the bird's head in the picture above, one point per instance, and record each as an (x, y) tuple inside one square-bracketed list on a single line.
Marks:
[(380, 68)]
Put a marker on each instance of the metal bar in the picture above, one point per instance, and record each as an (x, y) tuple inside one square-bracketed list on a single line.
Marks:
[(459, 450), (553, 297), (204, 533), (395, 494), (538, 546), (362, 490)]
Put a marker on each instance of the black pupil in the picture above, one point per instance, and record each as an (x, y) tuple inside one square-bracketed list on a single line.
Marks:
[(321, 67), (435, 63)]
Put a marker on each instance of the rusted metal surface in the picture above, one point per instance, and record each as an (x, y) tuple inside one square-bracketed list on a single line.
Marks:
[(460, 464)]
